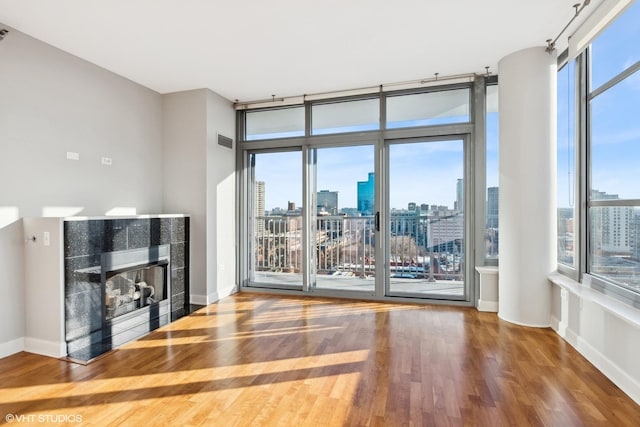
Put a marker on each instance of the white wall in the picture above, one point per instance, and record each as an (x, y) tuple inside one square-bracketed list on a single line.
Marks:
[(199, 180), (185, 165), (604, 330), (52, 103), (221, 198), (11, 288), (527, 185), (44, 289)]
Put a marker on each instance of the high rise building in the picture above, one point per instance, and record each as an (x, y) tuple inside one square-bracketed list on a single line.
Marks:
[(460, 195), (366, 195), (327, 201), (259, 194), (565, 235), (493, 201), (446, 232), (635, 235), (610, 227)]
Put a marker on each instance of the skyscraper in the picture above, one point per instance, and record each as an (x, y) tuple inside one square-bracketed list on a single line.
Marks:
[(493, 200), (327, 201), (460, 195), (611, 227), (366, 195), (259, 206)]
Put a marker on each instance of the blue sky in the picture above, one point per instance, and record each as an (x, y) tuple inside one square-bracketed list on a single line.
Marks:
[(421, 173), (615, 114), (427, 173)]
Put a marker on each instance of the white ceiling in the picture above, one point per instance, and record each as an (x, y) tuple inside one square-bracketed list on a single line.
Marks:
[(253, 49)]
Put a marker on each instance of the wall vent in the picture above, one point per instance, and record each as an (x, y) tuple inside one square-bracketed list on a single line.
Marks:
[(225, 141)]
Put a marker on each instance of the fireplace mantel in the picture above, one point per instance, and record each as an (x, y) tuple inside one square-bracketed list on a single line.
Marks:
[(63, 295)]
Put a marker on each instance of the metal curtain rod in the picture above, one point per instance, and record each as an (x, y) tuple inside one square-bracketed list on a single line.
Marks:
[(552, 44), (362, 90)]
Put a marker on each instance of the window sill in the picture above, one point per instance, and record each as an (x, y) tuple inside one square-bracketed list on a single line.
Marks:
[(618, 308)]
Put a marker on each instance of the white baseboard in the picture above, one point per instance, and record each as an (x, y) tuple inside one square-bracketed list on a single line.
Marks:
[(11, 347), (528, 325), (204, 299), (212, 297), (45, 348), (619, 377), (562, 328), (198, 299), (229, 291), (612, 371), (491, 306)]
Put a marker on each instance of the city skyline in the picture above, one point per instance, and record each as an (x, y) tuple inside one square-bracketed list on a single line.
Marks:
[(339, 169)]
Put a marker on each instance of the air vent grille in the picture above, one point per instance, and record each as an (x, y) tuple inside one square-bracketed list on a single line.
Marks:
[(225, 141)]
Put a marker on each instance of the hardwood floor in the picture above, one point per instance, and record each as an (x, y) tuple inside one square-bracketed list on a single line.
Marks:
[(255, 359)]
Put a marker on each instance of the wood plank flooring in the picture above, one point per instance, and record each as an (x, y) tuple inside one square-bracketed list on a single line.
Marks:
[(254, 359)]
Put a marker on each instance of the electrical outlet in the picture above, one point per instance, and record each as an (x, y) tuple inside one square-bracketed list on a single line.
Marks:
[(72, 155), (106, 161)]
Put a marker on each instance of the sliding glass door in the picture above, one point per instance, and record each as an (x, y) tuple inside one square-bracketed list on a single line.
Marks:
[(276, 219), (343, 229), (426, 218), (384, 218)]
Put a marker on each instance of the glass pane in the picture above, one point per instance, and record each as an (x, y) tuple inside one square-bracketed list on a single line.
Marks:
[(344, 236), (276, 123), (617, 48), (351, 116), (566, 163), (492, 229), (432, 108), (426, 233), (615, 140), (276, 188), (613, 243)]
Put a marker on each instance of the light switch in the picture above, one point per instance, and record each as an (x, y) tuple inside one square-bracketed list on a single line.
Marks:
[(46, 238)]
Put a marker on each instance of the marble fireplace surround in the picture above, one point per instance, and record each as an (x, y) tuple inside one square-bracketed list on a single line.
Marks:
[(58, 298), (87, 242)]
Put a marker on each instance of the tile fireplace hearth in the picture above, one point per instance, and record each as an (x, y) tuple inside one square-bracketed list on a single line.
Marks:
[(123, 278)]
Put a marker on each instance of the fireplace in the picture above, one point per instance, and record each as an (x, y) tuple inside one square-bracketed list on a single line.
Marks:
[(123, 277), (135, 292), (132, 288)]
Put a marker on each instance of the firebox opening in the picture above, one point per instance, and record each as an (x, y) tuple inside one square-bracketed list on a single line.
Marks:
[(134, 288)]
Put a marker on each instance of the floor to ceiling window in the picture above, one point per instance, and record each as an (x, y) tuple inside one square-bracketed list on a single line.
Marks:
[(492, 231), (276, 219), (614, 150), (342, 187), (598, 154), (566, 137), (363, 195), (426, 227)]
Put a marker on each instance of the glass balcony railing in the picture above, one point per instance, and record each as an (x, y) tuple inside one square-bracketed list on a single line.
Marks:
[(424, 250), (278, 244)]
